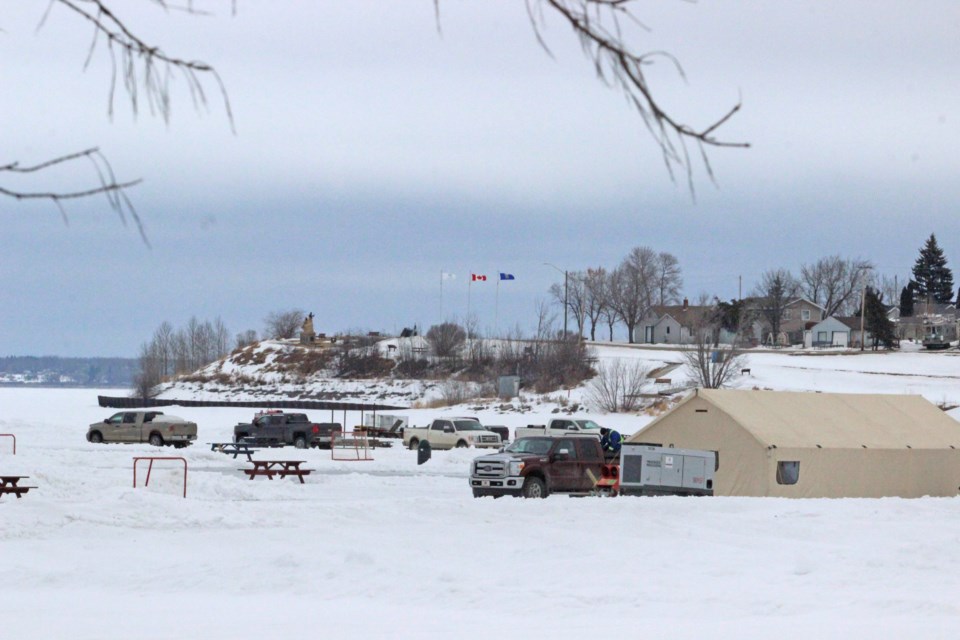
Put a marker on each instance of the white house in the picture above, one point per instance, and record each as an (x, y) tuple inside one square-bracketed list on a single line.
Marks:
[(830, 332)]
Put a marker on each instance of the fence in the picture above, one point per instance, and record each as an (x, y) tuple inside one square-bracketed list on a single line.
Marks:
[(138, 403)]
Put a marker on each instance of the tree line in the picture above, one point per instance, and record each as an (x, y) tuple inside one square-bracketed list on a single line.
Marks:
[(172, 352), (842, 286)]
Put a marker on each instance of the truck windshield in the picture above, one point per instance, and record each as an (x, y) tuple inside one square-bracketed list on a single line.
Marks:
[(588, 424), (468, 425), (536, 446)]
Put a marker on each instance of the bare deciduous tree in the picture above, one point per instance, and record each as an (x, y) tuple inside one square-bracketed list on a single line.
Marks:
[(596, 296), (245, 338), (283, 325), (446, 339), (669, 279), (572, 293), (710, 365), (777, 288), (617, 386), (833, 282), (633, 287), (149, 373)]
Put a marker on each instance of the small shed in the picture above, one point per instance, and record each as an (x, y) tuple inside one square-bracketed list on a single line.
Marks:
[(829, 332), (816, 445)]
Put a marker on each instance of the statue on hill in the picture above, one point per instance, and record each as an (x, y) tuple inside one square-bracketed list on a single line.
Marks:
[(307, 334)]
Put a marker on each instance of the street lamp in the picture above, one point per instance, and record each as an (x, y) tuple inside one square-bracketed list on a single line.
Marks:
[(565, 290)]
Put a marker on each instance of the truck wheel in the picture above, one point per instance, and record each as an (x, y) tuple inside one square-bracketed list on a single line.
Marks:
[(300, 442), (414, 443), (96, 437), (534, 488), (156, 439), (461, 444), (238, 437)]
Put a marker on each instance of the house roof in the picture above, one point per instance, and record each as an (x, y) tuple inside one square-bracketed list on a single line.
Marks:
[(686, 316), (851, 321), (788, 419), (802, 299)]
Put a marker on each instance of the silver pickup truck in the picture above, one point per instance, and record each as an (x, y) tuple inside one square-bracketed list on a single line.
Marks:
[(154, 427)]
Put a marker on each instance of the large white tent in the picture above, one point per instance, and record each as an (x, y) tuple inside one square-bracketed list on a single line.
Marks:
[(807, 445)]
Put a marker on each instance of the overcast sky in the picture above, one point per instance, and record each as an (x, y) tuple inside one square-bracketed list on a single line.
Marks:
[(371, 153)]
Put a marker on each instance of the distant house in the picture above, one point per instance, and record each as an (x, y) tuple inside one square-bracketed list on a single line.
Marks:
[(796, 318), (677, 324), (829, 332), (926, 316)]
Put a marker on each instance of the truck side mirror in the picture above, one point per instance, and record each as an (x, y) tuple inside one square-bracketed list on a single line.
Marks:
[(448, 429), (562, 454)]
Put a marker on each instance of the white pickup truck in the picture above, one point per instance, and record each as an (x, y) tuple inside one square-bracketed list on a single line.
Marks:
[(144, 426), (447, 433), (560, 427)]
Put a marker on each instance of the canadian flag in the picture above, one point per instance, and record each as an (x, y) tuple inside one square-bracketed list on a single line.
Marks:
[(474, 277)]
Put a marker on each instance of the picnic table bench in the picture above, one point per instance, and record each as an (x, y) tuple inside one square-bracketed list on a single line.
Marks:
[(236, 448), (9, 484), (282, 468)]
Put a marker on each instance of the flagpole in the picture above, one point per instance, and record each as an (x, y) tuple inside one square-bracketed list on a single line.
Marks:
[(496, 309), (441, 296), (467, 323)]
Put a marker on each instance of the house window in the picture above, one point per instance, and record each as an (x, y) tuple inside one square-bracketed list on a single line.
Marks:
[(668, 329), (786, 314), (805, 314), (788, 472), (822, 336)]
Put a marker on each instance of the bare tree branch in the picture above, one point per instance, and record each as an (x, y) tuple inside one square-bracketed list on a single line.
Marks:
[(140, 67), (108, 185), (597, 24)]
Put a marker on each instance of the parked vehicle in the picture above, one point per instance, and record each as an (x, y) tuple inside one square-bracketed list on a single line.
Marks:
[(535, 467), (560, 427), (276, 428), (154, 427), (447, 433)]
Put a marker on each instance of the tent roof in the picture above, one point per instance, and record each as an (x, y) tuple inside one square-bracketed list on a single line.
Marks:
[(837, 420)]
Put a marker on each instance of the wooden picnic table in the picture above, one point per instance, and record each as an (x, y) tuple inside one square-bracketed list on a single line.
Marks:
[(10, 484), (282, 468), (236, 448)]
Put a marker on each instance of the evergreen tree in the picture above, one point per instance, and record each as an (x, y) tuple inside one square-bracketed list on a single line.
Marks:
[(932, 278), (906, 301), (876, 321)]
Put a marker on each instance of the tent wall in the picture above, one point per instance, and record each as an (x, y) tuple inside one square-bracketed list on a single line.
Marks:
[(867, 473), (697, 424)]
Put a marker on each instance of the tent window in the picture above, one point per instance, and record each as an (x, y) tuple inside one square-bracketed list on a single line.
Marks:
[(788, 472), (716, 461)]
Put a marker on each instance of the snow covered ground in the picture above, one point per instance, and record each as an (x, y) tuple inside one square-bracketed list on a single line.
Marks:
[(387, 549)]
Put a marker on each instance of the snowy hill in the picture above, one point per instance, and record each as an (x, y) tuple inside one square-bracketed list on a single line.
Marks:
[(282, 370)]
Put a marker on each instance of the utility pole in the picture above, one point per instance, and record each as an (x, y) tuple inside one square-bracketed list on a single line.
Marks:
[(863, 313), (566, 304), (566, 289)]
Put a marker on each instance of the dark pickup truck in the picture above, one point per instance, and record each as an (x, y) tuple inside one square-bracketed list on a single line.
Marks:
[(538, 466), (277, 428)]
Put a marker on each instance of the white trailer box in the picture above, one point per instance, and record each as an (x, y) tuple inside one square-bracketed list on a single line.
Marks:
[(652, 470)]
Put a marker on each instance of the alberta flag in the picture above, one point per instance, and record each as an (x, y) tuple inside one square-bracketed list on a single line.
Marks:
[(476, 277), (506, 276)]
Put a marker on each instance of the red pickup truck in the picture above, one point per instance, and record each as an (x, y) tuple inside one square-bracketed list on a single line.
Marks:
[(536, 467)]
